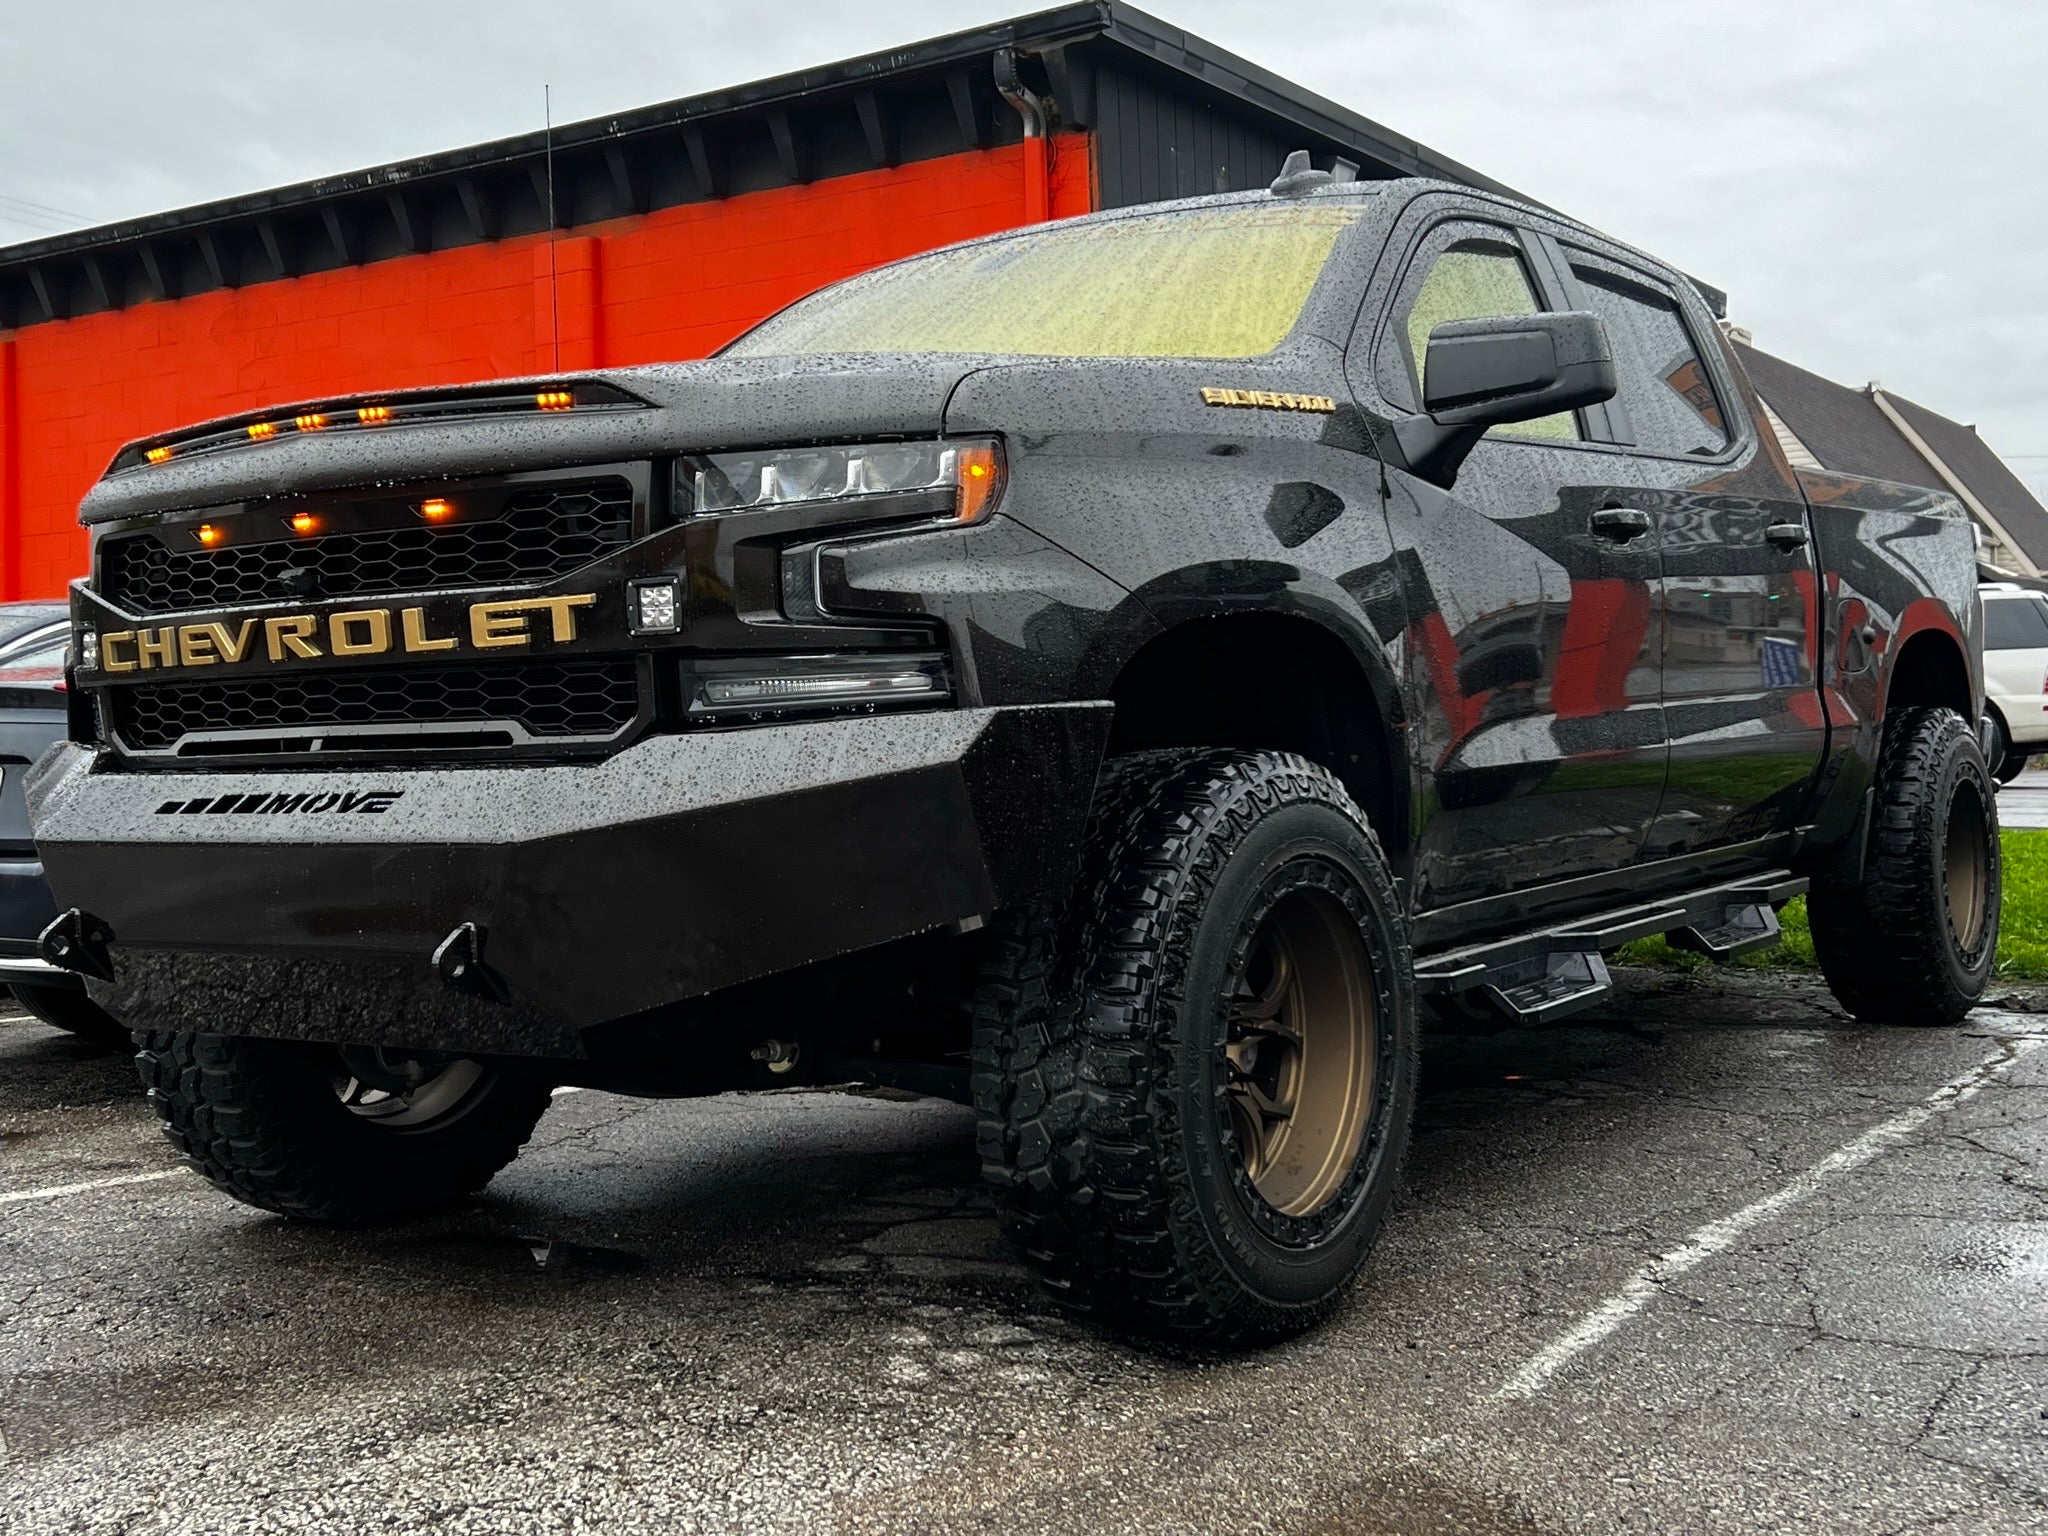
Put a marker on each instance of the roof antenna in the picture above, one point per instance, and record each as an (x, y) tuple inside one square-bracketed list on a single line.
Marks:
[(547, 113), (1299, 175)]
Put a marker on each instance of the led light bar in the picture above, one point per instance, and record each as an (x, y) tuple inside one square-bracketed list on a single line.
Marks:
[(349, 416), (970, 468), (772, 685)]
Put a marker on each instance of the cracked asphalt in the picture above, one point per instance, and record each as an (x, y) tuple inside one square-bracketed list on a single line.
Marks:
[(792, 1312)]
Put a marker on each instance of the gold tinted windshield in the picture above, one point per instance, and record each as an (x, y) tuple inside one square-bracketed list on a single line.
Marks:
[(1211, 282)]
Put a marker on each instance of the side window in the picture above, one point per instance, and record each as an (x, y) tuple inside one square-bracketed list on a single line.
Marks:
[(1464, 275), (1663, 385), (2014, 624)]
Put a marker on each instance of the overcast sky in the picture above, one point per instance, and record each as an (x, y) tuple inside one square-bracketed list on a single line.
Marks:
[(1865, 177)]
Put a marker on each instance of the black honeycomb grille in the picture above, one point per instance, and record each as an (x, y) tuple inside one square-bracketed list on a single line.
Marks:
[(549, 698), (546, 532)]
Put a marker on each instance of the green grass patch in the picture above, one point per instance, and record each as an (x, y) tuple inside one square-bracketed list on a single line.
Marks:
[(2022, 933)]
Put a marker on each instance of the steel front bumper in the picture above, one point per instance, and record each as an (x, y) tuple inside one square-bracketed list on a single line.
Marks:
[(681, 865)]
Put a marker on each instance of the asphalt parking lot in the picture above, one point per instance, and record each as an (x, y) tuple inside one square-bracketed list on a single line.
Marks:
[(1713, 1260)]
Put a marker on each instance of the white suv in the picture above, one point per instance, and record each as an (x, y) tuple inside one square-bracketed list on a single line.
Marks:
[(2016, 671)]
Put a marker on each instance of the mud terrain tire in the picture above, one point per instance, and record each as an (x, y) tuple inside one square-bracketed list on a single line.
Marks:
[(1234, 923), (266, 1121), (1914, 943)]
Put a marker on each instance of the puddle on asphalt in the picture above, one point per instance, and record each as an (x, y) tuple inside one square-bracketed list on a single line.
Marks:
[(2006, 1253)]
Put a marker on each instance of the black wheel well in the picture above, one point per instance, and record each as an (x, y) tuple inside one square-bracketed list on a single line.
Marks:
[(1272, 682), (1930, 670)]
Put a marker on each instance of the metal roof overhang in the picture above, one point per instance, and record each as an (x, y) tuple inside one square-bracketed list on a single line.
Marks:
[(904, 104)]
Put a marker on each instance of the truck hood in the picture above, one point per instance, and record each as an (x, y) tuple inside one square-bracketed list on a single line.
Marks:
[(718, 403)]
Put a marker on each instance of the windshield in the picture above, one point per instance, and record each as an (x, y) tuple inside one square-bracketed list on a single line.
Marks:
[(1210, 282)]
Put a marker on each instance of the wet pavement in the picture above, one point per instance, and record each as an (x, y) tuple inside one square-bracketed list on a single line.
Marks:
[(2024, 802), (1713, 1260)]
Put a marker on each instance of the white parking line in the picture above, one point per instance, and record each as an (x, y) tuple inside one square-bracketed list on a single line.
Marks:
[(1716, 1237), (56, 1191)]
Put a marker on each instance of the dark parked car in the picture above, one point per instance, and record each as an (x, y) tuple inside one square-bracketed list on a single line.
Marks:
[(1115, 672), (34, 638)]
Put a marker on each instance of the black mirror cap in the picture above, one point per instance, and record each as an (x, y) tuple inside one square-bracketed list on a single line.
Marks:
[(1486, 373), (1516, 368)]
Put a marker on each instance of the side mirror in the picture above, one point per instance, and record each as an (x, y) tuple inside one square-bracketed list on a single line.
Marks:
[(1485, 373)]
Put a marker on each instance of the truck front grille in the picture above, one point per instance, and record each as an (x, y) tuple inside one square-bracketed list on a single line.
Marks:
[(537, 535), (463, 706)]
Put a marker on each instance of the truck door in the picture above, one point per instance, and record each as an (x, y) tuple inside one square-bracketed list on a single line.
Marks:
[(1737, 600), (1531, 639)]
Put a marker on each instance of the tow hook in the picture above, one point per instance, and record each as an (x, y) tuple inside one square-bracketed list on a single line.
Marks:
[(77, 941), (459, 961), (779, 1056)]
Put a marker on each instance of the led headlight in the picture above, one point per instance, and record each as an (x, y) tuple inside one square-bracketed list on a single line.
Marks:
[(970, 468), (85, 649), (771, 685)]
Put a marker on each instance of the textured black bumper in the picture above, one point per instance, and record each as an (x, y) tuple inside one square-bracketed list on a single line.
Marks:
[(679, 866)]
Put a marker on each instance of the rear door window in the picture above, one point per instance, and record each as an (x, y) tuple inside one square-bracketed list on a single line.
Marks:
[(2015, 624), (1663, 385), (1461, 272)]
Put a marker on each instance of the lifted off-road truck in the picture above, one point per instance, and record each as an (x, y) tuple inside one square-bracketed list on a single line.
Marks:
[(1120, 674)]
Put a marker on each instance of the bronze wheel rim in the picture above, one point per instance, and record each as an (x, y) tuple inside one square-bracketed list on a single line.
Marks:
[(1967, 854), (1300, 1054)]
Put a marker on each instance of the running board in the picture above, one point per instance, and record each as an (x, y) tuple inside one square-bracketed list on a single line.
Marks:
[(1532, 978)]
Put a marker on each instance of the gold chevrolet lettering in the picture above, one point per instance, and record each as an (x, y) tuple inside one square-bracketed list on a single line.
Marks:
[(290, 633), (195, 645), (413, 623), (504, 623), (232, 646), (376, 636), (156, 647), (492, 625)]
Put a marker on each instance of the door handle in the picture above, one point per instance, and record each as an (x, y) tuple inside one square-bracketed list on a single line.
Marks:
[(1620, 524), (1786, 536)]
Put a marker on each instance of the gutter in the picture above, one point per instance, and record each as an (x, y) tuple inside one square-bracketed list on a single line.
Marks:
[(1037, 136), (1949, 477)]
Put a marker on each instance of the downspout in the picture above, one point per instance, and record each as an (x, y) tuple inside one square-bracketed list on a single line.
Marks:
[(1037, 140), (1950, 478), (11, 584)]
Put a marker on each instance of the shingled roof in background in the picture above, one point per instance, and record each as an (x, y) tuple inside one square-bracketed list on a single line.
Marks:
[(1871, 431)]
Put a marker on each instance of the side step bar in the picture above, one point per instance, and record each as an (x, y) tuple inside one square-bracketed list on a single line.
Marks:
[(1530, 978)]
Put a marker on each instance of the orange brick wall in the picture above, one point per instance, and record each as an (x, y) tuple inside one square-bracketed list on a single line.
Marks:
[(672, 284)]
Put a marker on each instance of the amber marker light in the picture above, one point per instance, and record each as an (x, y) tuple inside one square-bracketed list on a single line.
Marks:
[(305, 522), (312, 422), (156, 455), (980, 477), (208, 535), (437, 509), (373, 415), (262, 429), (554, 400)]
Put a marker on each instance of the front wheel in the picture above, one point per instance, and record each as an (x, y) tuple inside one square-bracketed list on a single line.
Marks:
[(1195, 1079), (333, 1134), (1914, 942)]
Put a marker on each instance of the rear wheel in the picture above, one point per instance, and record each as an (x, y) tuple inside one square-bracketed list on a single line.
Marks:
[(1915, 941), (337, 1135), (1195, 1078), (68, 1008)]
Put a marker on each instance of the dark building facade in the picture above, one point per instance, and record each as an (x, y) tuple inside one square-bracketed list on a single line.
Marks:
[(659, 234)]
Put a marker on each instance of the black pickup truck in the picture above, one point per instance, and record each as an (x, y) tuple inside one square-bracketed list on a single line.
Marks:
[(1120, 673)]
